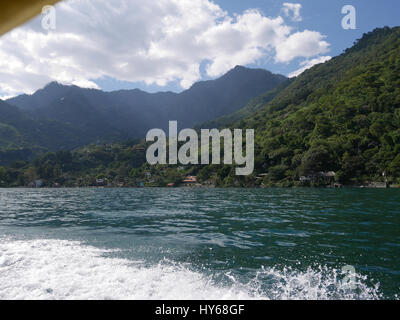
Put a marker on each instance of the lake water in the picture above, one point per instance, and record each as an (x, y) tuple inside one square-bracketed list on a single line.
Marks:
[(199, 244)]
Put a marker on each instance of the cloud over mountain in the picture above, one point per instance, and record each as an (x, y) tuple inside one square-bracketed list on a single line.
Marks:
[(307, 64), (151, 41)]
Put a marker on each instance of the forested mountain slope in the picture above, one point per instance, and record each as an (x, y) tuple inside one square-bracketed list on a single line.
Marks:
[(342, 116)]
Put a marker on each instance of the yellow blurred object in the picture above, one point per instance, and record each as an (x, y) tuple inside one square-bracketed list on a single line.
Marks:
[(16, 12)]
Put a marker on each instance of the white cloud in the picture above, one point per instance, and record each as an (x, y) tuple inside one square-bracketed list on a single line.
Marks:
[(151, 41), (292, 10), (307, 64), (301, 44)]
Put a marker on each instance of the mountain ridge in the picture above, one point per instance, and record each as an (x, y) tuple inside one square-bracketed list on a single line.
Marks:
[(21, 101)]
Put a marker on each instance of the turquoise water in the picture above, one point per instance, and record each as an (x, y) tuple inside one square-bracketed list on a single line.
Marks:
[(199, 244)]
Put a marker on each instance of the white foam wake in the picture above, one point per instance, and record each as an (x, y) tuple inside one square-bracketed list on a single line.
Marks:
[(58, 269)]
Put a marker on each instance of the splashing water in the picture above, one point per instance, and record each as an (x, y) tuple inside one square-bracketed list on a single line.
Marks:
[(59, 269)]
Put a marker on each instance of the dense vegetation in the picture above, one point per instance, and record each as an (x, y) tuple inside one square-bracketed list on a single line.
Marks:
[(341, 116), (114, 165), (82, 167)]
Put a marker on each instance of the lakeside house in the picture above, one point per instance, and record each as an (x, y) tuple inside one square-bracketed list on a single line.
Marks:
[(190, 181), (36, 184), (377, 185), (327, 177), (101, 182), (330, 174)]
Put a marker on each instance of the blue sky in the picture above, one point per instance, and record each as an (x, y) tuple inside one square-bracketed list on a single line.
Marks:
[(321, 15), (325, 16), (168, 45)]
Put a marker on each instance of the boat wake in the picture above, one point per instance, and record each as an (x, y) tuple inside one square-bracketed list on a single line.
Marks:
[(60, 269)]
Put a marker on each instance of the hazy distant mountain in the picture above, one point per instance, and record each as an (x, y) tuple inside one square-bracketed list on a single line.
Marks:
[(64, 117), (134, 112)]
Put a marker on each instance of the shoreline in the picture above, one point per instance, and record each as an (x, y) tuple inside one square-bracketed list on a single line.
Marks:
[(207, 187)]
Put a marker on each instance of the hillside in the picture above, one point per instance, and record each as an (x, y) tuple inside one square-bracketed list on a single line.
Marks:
[(342, 116), (252, 107), (21, 137)]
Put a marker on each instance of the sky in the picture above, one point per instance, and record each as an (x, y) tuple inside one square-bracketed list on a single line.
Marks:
[(167, 45)]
